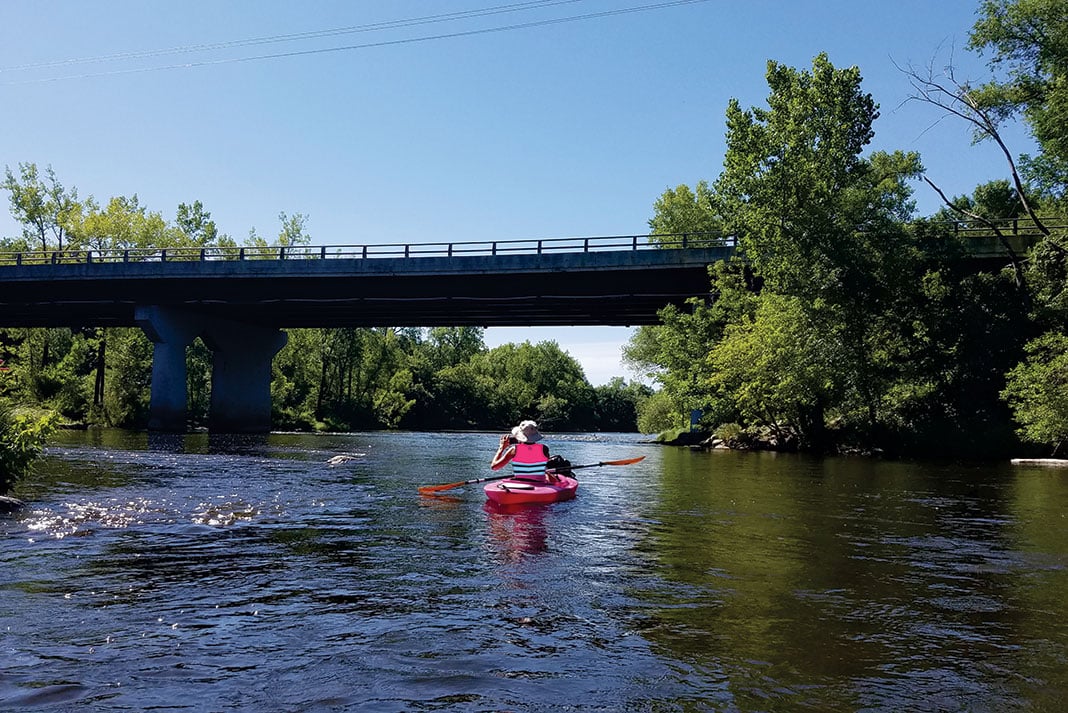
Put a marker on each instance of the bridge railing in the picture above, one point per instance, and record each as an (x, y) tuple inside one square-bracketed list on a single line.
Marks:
[(1010, 227), (539, 246), (981, 233)]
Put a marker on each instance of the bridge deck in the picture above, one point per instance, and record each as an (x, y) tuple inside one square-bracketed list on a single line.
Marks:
[(613, 280), (608, 287)]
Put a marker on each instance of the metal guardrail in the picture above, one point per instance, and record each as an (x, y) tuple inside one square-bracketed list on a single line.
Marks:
[(1020, 228), (1010, 227), (538, 246)]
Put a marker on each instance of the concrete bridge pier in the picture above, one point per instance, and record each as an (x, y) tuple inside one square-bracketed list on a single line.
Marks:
[(241, 375), (171, 331), (241, 370)]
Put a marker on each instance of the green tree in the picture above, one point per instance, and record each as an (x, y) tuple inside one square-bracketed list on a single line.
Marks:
[(129, 366), (538, 381), (23, 434), (1028, 40), (1027, 45), (296, 377), (1037, 391), (464, 396), (446, 391), (41, 204), (198, 367), (391, 400), (451, 346), (778, 369), (659, 413), (797, 191), (344, 378), (291, 232), (822, 224), (617, 405), (674, 352), (825, 261), (682, 211), (197, 227), (123, 224)]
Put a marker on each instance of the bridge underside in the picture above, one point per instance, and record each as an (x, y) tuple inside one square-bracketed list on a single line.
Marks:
[(518, 311)]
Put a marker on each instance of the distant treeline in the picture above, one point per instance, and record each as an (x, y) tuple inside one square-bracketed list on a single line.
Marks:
[(333, 379)]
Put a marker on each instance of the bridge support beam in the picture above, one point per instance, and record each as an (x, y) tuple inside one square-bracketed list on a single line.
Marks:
[(241, 370), (171, 332), (241, 376)]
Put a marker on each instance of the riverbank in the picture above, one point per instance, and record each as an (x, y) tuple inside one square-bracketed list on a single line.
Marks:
[(996, 446)]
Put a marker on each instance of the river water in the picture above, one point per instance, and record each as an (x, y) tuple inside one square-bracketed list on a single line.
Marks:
[(198, 573)]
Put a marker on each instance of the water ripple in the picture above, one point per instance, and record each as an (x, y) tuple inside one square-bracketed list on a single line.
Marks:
[(251, 574)]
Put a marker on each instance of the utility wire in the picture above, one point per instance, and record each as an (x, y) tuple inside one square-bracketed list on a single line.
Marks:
[(384, 43), (313, 34)]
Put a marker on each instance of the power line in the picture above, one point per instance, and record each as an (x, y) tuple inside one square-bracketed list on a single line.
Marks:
[(383, 43), (313, 34)]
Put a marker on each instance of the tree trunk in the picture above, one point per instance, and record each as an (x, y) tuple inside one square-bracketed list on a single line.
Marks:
[(98, 386), (322, 389)]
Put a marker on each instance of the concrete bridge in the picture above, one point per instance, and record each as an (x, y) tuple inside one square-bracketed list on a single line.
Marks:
[(239, 299)]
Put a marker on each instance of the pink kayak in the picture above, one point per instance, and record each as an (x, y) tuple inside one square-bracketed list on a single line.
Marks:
[(514, 492)]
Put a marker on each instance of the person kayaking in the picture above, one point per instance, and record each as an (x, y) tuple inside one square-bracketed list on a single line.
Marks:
[(528, 457)]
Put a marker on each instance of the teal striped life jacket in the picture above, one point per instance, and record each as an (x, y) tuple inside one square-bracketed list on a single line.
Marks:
[(529, 461)]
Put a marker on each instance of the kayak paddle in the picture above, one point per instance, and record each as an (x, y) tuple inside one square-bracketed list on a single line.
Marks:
[(625, 461), (450, 486)]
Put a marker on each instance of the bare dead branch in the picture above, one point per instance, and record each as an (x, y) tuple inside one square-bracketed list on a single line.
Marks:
[(1017, 268), (957, 99)]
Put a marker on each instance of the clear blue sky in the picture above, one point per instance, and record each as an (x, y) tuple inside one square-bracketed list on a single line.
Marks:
[(494, 125)]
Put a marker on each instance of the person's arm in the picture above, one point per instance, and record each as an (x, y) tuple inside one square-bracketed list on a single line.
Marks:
[(504, 453)]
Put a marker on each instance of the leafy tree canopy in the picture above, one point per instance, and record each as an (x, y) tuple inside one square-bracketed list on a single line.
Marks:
[(1028, 41), (1037, 391)]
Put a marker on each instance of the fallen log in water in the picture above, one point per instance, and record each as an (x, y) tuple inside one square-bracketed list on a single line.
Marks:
[(1055, 462), (9, 504)]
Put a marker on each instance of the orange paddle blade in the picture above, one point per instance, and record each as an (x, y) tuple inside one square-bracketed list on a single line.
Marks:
[(625, 461), (439, 488), (449, 486)]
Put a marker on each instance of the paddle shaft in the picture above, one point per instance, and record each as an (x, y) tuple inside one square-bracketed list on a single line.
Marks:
[(450, 486), (627, 461)]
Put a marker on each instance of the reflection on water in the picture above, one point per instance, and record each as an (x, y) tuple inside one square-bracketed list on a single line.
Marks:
[(516, 530), (254, 574)]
